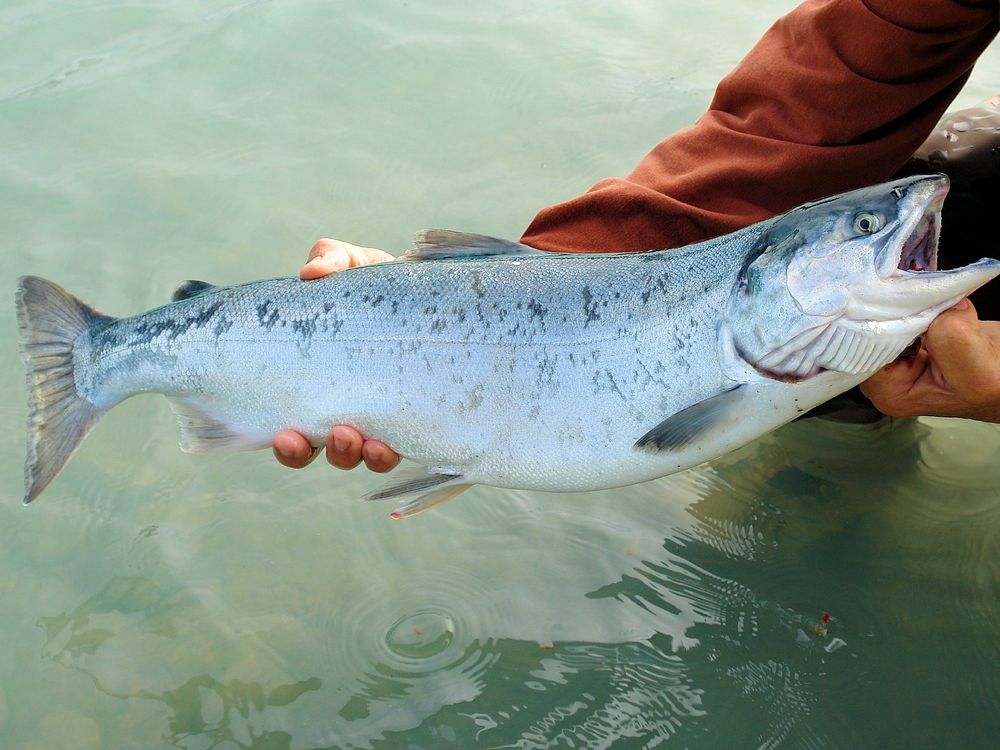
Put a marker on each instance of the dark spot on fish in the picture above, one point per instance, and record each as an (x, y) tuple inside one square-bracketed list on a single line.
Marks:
[(149, 330), (222, 326), (267, 314), (589, 306), (305, 328), (477, 284)]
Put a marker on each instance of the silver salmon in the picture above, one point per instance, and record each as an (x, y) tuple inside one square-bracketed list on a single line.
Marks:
[(488, 362)]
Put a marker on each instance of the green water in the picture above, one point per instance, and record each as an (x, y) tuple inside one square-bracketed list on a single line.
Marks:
[(152, 599)]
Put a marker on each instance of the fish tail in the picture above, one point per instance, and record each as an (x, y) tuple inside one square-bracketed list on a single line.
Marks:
[(52, 323)]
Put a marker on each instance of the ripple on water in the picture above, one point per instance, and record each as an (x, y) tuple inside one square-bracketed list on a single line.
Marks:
[(416, 644), (420, 637)]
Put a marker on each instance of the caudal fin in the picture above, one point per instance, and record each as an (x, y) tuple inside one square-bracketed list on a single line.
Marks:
[(51, 322)]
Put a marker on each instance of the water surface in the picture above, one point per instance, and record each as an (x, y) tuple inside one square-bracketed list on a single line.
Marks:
[(153, 599)]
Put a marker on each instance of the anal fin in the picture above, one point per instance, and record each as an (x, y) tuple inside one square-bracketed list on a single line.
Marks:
[(425, 488), (694, 422)]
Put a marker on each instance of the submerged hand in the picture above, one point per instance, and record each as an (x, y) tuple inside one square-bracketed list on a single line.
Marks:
[(345, 446), (956, 372)]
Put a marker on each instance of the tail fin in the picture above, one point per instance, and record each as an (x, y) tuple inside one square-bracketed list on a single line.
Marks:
[(51, 321)]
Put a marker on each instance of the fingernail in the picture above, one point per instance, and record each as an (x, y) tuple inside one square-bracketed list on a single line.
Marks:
[(283, 453), (340, 444)]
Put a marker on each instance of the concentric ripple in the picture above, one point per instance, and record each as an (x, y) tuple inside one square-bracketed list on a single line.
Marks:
[(420, 638), (406, 647)]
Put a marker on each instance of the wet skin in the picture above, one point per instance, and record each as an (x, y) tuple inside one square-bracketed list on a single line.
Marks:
[(955, 373)]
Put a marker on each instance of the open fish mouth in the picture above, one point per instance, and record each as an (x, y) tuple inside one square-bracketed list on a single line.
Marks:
[(912, 286), (913, 247), (919, 252)]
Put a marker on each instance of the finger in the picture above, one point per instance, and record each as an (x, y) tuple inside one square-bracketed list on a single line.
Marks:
[(379, 457), (326, 257), (292, 449), (893, 389), (343, 447), (968, 360), (368, 256)]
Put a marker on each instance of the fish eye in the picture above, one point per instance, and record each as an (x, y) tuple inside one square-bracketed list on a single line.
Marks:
[(865, 222)]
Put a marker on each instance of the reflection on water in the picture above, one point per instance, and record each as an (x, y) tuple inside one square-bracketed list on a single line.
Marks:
[(804, 623), (202, 707), (829, 586)]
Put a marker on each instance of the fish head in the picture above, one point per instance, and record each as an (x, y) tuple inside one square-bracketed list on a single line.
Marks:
[(848, 282)]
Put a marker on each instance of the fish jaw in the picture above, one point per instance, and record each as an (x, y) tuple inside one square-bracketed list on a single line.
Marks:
[(926, 293)]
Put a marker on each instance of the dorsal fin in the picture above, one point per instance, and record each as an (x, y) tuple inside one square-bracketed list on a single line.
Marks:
[(191, 288), (438, 244)]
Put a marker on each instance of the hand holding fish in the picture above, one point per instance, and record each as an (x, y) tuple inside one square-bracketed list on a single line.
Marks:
[(345, 446), (956, 373), (330, 256)]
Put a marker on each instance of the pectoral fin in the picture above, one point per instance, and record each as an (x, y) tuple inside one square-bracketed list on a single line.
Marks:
[(427, 489), (714, 414)]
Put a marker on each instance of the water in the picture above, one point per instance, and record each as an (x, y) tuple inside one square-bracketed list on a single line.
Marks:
[(152, 599)]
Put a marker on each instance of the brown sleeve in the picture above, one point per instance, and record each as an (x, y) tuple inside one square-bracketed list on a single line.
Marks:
[(836, 95)]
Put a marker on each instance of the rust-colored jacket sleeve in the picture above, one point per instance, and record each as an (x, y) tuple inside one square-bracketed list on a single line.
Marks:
[(836, 95)]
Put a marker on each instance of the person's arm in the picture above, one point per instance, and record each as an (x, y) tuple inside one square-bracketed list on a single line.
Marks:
[(836, 95)]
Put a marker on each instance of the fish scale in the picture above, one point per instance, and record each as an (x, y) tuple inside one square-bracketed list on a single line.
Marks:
[(463, 345), (485, 361)]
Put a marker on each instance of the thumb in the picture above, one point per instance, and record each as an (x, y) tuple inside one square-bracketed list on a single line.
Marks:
[(330, 258), (965, 356)]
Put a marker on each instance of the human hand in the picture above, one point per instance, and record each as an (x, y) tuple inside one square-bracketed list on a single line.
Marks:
[(345, 446), (956, 372), (331, 256), (345, 449)]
